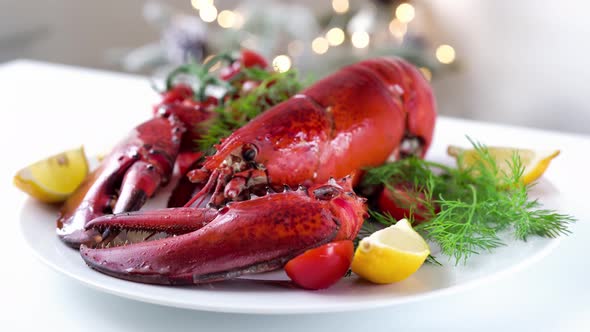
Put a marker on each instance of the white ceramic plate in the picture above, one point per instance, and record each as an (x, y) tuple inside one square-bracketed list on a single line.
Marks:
[(250, 296)]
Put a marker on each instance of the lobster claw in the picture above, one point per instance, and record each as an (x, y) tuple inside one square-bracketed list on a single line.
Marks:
[(244, 237), (130, 174)]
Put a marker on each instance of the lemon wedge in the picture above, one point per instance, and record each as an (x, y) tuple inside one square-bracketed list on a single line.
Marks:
[(391, 254), (534, 162), (53, 179)]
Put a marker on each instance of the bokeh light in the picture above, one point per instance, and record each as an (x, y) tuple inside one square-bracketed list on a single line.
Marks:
[(360, 39), (226, 19), (335, 36), (208, 13), (427, 73), (405, 12), (320, 45), (445, 54), (281, 63), (397, 28), (340, 6), (198, 4)]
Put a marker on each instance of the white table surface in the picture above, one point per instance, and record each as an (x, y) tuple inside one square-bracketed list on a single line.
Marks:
[(45, 109)]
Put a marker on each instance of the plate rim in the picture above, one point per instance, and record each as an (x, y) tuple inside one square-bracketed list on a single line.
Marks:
[(551, 245)]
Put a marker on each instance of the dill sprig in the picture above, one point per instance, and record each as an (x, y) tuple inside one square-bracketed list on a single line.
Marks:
[(273, 88), (469, 206)]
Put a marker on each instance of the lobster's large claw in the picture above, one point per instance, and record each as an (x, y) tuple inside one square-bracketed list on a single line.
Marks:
[(129, 175), (252, 236)]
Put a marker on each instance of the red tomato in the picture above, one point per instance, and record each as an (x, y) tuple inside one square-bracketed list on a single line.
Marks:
[(179, 92), (321, 267), (401, 200), (247, 59), (252, 59)]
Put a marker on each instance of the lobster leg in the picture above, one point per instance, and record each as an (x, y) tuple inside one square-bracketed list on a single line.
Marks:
[(185, 189), (252, 236)]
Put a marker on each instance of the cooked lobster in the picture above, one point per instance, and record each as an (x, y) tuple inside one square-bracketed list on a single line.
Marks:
[(355, 118)]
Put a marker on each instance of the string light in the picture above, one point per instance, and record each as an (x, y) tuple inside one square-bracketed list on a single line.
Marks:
[(198, 4), (209, 57), (427, 73), (295, 48), (320, 45), (360, 39), (281, 63), (405, 12), (335, 36), (397, 28), (238, 20), (340, 6), (226, 19), (445, 54), (208, 13), (215, 67)]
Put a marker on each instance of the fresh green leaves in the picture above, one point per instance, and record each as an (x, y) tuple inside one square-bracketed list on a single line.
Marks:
[(470, 206), (273, 88)]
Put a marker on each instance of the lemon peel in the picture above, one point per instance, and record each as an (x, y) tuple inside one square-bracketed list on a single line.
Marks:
[(535, 163), (53, 179), (391, 254)]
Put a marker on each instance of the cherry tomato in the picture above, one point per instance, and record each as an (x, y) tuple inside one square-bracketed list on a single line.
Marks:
[(179, 92), (252, 59), (399, 201), (247, 59), (321, 267)]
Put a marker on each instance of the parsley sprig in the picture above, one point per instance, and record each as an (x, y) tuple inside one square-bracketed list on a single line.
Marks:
[(471, 206)]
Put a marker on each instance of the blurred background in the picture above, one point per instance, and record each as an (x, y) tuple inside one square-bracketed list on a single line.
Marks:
[(516, 62)]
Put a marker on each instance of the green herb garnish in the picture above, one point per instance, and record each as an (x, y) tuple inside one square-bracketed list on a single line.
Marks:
[(274, 88), (469, 207), (200, 76)]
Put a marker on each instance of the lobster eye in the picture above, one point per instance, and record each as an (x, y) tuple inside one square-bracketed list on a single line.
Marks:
[(326, 193), (249, 152)]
